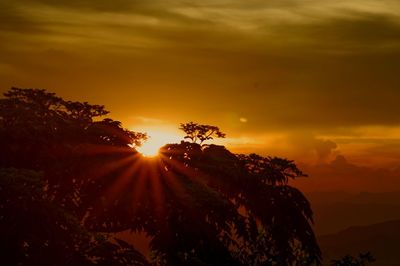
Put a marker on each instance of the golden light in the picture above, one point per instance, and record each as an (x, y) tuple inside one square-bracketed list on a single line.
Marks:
[(158, 137)]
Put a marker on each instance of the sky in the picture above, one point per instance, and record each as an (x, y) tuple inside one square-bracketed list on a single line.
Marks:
[(315, 81)]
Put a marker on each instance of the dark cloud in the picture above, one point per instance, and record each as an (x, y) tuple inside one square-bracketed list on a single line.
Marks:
[(324, 148), (12, 20), (358, 32), (96, 5), (318, 72)]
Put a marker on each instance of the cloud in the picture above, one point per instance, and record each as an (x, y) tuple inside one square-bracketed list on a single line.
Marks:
[(148, 120), (324, 148), (326, 68), (90, 5), (342, 175)]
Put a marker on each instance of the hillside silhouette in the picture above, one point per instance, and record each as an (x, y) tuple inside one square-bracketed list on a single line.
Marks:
[(381, 239), (336, 211)]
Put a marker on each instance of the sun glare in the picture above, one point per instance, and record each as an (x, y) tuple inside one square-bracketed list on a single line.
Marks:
[(157, 139)]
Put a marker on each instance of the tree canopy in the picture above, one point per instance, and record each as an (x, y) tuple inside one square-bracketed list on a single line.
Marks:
[(71, 180), (198, 133), (362, 259)]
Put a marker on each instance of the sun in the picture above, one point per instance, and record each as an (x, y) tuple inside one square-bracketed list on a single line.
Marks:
[(158, 137)]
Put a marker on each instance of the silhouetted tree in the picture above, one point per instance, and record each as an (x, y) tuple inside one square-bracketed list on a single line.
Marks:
[(362, 260), (199, 205), (260, 222), (197, 132), (36, 231), (41, 131)]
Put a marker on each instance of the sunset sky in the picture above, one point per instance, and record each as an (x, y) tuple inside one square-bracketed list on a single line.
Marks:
[(316, 81)]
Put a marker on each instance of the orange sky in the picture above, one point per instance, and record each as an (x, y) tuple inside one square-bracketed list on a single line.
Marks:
[(309, 80)]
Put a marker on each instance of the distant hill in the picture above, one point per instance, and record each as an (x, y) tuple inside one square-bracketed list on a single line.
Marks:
[(326, 197), (335, 211), (382, 240)]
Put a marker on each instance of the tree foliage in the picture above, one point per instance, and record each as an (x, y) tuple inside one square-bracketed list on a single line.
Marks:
[(199, 205), (198, 133), (36, 231), (362, 260)]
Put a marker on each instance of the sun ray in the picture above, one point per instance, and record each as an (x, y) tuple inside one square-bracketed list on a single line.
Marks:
[(103, 170), (181, 168), (158, 137), (156, 181), (124, 180), (96, 149), (138, 189)]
